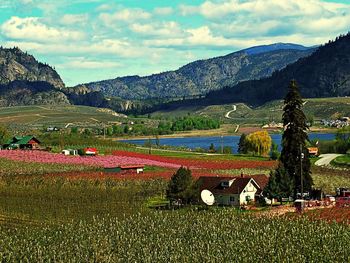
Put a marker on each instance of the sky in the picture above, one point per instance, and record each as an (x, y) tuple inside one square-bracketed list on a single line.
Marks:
[(91, 40)]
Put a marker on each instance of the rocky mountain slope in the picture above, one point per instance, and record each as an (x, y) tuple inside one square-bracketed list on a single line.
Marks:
[(200, 77), (18, 65)]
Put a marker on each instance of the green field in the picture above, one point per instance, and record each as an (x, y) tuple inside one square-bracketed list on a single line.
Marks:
[(322, 108), (49, 115)]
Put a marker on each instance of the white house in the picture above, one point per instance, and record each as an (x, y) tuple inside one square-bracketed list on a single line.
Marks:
[(233, 191)]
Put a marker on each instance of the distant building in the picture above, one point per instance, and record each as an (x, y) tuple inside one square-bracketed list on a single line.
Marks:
[(70, 152), (231, 191), (25, 142), (130, 168), (313, 151), (52, 129), (90, 151), (273, 125)]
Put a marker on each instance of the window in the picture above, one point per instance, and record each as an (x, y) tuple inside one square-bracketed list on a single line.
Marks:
[(232, 198), (247, 198)]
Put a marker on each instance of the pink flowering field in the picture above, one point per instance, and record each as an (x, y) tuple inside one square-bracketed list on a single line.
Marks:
[(95, 161)]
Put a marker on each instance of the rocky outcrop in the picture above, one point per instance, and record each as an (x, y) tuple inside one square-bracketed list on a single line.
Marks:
[(18, 65)]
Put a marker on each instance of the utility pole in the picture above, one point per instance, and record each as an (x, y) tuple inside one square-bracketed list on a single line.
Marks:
[(104, 131), (222, 144), (301, 171)]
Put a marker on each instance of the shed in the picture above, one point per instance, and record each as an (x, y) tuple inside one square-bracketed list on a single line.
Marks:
[(70, 152), (138, 168), (90, 151), (130, 168)]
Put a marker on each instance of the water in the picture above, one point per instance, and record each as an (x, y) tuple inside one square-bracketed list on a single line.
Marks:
[(232, 141)]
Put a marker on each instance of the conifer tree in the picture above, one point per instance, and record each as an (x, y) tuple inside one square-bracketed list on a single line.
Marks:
[(295, 155)]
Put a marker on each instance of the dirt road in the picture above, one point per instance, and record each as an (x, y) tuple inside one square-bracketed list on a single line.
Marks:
[(326, 159), (227, 115)]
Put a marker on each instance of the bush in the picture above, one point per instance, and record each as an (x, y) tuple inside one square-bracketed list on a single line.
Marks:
[(227, 150)]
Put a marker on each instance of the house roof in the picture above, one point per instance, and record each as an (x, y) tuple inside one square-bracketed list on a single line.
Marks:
[(131, 166), (213, 184), (22, 140)]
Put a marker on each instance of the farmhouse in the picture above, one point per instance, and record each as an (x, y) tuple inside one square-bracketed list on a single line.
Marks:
[(26, 142), (233, 191)]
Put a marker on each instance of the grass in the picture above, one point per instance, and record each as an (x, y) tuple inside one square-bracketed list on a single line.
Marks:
[(342, 161), (194, 155)]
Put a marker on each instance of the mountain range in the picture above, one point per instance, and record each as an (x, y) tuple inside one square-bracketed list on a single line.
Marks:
[(325, 73), (203, 76), (254, 76)]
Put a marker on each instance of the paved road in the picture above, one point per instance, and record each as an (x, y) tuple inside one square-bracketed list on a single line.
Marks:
[(227, 115), (326, 159)]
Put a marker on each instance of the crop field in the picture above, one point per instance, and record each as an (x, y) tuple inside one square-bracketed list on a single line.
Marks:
[(56, 115), (330, 178), (179, 236), (66, 209)]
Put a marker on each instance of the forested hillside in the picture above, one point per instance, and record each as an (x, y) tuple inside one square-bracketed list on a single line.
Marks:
[(202, 76)]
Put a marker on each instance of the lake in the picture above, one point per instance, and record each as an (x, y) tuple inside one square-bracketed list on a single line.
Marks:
[(232, 141)]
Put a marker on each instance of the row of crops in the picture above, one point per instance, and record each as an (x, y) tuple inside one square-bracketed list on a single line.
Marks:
[(180, 236)]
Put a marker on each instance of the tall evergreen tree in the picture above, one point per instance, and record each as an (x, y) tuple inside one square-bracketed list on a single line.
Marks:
[(294, 140)]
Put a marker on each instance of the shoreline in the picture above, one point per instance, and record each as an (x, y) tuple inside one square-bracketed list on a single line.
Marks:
[(210, 133)]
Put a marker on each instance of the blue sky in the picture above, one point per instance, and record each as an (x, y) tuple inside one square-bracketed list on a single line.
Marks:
[(89, 40)]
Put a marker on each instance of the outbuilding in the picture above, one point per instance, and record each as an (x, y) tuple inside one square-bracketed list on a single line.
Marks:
[(70, 152), (130, 168), (90, 151)]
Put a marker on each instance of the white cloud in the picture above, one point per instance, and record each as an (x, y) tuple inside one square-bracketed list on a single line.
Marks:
[(125, 15), (71, 19), (115, 47), (84, 63), (263, 20), (165, 29), (269, 8), (163, 11), (31, 28)]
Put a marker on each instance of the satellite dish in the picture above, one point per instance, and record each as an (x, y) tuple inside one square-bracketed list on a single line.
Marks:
[(207, 197)]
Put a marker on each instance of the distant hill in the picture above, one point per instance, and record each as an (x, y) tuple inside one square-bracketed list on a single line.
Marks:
[(202, 76), (274, 47), (325, 73)]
